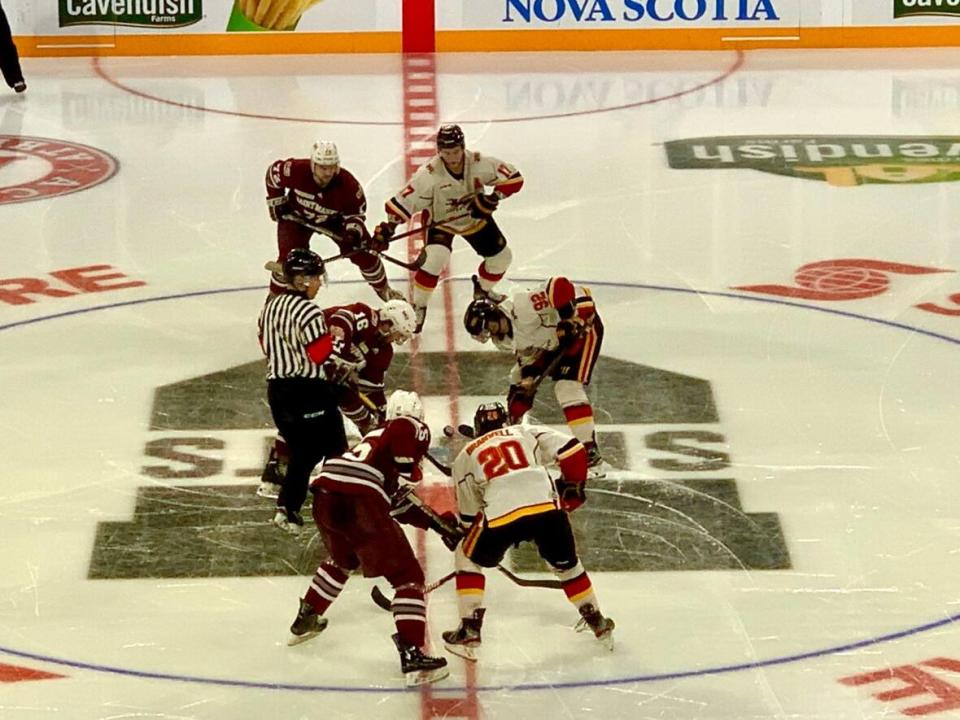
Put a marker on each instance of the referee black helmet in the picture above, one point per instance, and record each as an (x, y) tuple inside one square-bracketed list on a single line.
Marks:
[(301, 261)]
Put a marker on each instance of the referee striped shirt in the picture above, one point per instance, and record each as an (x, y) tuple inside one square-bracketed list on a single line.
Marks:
[(288, 324)]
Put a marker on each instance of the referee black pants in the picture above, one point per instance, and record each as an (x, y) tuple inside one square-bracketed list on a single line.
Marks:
[(9, 60), (306, 414)]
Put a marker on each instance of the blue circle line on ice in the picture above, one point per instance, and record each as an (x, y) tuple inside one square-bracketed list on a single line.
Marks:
[(715, 670)]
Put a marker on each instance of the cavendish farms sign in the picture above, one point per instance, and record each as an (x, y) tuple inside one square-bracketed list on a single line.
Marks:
[(841, 161), (134, 13)]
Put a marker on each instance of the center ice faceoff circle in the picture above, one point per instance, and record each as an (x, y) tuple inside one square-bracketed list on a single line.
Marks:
[(793, 650)]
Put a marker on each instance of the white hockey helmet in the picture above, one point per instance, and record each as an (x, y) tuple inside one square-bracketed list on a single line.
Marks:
[(401, 316), (324, 153), (404, 403)]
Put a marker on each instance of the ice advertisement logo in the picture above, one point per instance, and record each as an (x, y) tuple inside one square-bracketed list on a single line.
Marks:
[(196, 514), (913, 8), (841, 161), (133, 13), (33, 168)]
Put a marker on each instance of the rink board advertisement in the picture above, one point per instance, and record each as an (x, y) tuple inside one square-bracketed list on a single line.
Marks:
[(208, 16), (153, 27)]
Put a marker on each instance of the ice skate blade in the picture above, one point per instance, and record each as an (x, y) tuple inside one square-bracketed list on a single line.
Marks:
[(295, 639), (298, 639), (424, 677), (598, 472), (467, 652), (269, 490)]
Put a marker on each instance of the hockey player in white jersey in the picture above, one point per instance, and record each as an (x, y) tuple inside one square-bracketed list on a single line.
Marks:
[(507, 496), (460, 189), (554, 331)]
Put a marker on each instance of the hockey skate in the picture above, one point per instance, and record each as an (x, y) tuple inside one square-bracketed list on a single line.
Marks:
[(387, 293), (479, 293), (271, 479), (465, 640), (288, 520), (421, 311), (419, 669), (601, 626), (596, 466), (307, 625)]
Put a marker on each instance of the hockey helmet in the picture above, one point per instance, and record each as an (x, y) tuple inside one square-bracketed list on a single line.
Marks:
[(404, 403), (450, 136), (480, 313), (489, 417), (324, 153), (401, 316), (301, 261)]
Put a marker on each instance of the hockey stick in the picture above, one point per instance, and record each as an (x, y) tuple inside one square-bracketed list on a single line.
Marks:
[(525, 582), (383, 602), (413, 265), (428, 226), (445, 469)]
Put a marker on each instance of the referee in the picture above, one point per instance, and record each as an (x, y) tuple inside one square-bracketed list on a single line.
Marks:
[(295, 339)]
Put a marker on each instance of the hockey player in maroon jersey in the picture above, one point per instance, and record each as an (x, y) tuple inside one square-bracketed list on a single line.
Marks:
[(321, 193), (507, 496), (452, 187), (554, 330), (363, 340), (353, 497)]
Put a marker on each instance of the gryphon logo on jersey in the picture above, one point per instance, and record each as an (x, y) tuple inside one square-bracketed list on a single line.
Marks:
[(208, 438)]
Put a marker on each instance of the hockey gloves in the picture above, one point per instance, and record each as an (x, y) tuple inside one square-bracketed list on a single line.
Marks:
[(570, 331), (277, 206), (353, 236), (450, 530), (341, 371), (572, 494), (382, 233), (484, 205), (519, 401)]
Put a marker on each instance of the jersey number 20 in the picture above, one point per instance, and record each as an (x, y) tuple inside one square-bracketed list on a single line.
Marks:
[(501, 458)]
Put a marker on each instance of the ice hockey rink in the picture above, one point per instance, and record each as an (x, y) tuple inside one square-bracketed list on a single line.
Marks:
[(772, 240)]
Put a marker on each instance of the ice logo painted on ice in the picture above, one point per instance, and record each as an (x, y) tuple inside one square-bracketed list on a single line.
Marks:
[(840, 161), (845, 279), (36, 168)]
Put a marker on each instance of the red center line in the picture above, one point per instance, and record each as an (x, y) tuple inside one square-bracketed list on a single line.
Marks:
[(421, 118)]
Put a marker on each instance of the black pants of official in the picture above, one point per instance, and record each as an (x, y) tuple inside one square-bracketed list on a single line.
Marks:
[(306, 414), (9, 60)]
